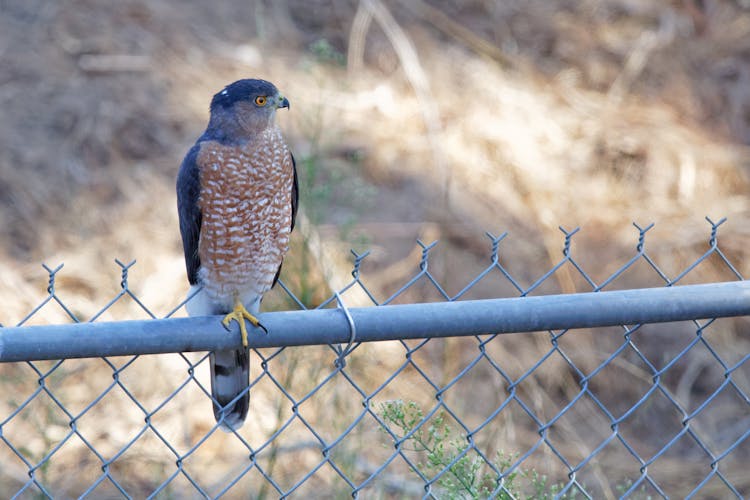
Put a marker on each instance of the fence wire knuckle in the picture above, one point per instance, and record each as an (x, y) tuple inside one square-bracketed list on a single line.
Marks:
[(608, 390)]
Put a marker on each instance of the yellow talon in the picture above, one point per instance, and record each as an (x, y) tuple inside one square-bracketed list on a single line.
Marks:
[(240, 314)]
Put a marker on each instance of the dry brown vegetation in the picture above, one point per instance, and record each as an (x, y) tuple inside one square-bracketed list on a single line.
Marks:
[(431, 120)]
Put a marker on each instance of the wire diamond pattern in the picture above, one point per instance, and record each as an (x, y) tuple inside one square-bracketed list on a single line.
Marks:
[(433, 418)]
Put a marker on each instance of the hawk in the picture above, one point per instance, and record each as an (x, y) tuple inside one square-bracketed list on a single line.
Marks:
[(237, 203)]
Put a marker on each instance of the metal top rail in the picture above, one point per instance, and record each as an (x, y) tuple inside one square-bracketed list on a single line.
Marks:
[(343, 325)]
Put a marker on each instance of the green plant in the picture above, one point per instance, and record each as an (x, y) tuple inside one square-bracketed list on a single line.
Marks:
[(468, 476), (326, 53)]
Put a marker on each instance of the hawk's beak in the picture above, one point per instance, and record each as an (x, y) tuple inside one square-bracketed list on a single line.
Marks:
[(282, 102)]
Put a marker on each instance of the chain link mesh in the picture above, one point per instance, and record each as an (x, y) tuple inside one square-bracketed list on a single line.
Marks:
[(635, 411)]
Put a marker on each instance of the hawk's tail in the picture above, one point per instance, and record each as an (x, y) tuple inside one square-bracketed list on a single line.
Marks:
[(230, 378)]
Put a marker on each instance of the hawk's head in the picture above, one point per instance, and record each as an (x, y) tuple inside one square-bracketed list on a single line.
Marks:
[(246, 107)]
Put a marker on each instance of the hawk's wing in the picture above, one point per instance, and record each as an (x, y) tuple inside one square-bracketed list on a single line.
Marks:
[(188, 190), (295, 201), (295, 192)]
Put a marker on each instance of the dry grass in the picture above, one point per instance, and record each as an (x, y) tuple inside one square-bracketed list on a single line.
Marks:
[(432, 121)]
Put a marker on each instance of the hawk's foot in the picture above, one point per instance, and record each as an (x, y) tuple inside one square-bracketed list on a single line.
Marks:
[(240, 314)]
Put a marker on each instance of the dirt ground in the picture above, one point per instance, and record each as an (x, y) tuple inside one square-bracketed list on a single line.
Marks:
[(430, 120)]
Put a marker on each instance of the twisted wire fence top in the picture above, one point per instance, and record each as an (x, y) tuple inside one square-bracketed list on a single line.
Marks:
[(636, 410)]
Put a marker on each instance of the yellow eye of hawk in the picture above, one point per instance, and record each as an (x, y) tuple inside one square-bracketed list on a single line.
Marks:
[(260, 100)]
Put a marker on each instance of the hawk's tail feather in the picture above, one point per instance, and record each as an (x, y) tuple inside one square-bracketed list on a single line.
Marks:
[(230, 377)]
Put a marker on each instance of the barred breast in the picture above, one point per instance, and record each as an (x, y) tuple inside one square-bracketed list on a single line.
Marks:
[(246, 207)]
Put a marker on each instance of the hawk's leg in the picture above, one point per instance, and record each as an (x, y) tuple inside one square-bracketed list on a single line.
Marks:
[(240, 314)]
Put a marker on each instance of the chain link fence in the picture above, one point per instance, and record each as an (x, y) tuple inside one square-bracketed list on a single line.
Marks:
[(655, 406)]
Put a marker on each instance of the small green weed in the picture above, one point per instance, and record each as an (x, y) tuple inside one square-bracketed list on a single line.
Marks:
[(464, 474), (326, 53)]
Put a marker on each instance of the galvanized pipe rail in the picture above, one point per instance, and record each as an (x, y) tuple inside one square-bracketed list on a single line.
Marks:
[(410, 321)]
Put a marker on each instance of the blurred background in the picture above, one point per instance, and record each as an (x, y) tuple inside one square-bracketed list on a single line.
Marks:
[(422, 119), (431, 120)]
